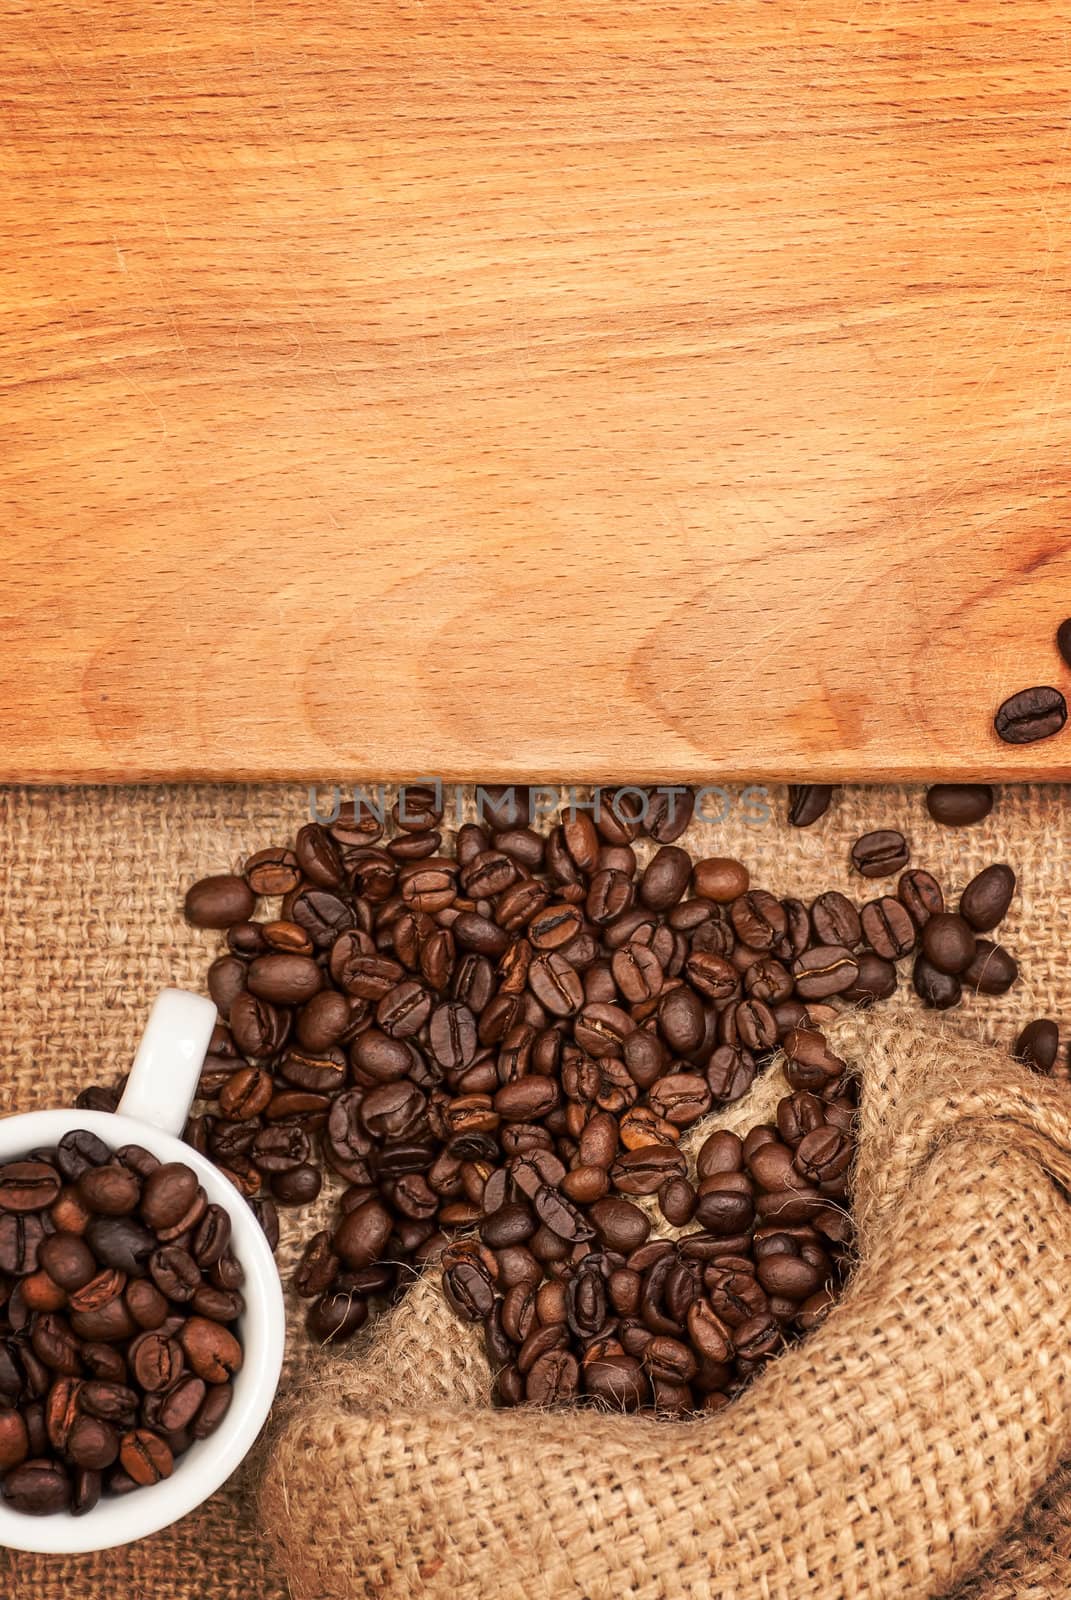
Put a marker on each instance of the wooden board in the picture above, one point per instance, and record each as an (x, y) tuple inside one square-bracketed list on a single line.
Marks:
[(589, 390)]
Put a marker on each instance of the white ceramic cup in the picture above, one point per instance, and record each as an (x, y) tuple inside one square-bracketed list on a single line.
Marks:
[(152, 1113)]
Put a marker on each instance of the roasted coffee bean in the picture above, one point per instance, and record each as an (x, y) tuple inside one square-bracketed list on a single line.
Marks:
[(824, 970), (284, 980), (468, 1287), (1031, 714), (332, 1319), (38, 1488), (619, 1224), (759, 919), (28, 1186), (145, 1456), (110, 1191), (682, 1020), (211, 1350), (226, 980), (877, 980), (297, 1187), (810, 1062), (287, 938), (556, 983), (721, 879), (67, 1259), (921, 894), (836, 921), (1038, 1045), (937, 990), (948, 942), (888, 928), (79, 1150), (122, 1243), (807, 802), (643, 1171), (958, 805), (676, 1201), (259, 1029), (879, 854), (665, 878), (667, 812), (730, 1073), (993, 971), (403, 1011), (219, 901), (272, 872), (985, 901)]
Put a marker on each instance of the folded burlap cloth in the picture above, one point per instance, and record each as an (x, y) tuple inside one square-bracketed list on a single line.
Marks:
[(903, 1449)]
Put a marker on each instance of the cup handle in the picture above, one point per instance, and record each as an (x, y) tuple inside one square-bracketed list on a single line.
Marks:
[(163, 1079)]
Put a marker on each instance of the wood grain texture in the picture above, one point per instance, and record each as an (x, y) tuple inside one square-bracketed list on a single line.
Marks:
[(532, 390)]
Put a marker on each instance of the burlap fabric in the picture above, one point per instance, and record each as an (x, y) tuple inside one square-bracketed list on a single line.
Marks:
[(90, 928)]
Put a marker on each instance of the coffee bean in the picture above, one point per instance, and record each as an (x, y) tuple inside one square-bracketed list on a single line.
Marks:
[(759, 919), (877, 980), (958, 805), (824, 970), (211, 1350), (985, 900), (1031, 714), (226, 980), (665, 878), (67, 1259), (1038, 1045), (1063, 640), (109, 1191), (877, 855), (361, 1236), (38, 1488), (948, 942), (721, 879), (937, 990), (668, 813), (79, 1150), (888, 927), (993, 971), (259, 1029), (921, 894), (284, 980), (219, 901), (807, 802), (272, 872), (836, 921), (28, 1186), (145, 1456)]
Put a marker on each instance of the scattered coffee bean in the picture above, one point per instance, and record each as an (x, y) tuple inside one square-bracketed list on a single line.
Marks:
[(1038, 1045), (807, 802), (993, 971), (505, 1036), (220, 901), (879, 854), (1030, 715), (985, 900), (949, 942), (1063, 640), (957, 805)]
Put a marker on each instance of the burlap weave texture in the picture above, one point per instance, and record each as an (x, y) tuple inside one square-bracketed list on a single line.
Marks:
[(90, 928)]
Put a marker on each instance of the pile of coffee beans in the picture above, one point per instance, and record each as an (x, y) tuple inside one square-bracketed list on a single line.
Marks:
[(1038, 712), (118, 1296), (499, 1039)]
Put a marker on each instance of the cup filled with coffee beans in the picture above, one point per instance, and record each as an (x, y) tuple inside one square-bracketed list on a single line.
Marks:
[(141, 1324)]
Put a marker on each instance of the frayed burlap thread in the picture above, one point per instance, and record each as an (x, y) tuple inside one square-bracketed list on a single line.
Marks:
[(884, 1456)]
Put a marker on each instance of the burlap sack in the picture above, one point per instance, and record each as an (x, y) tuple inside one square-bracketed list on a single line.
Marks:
[(91, 927), (884, 1456)]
